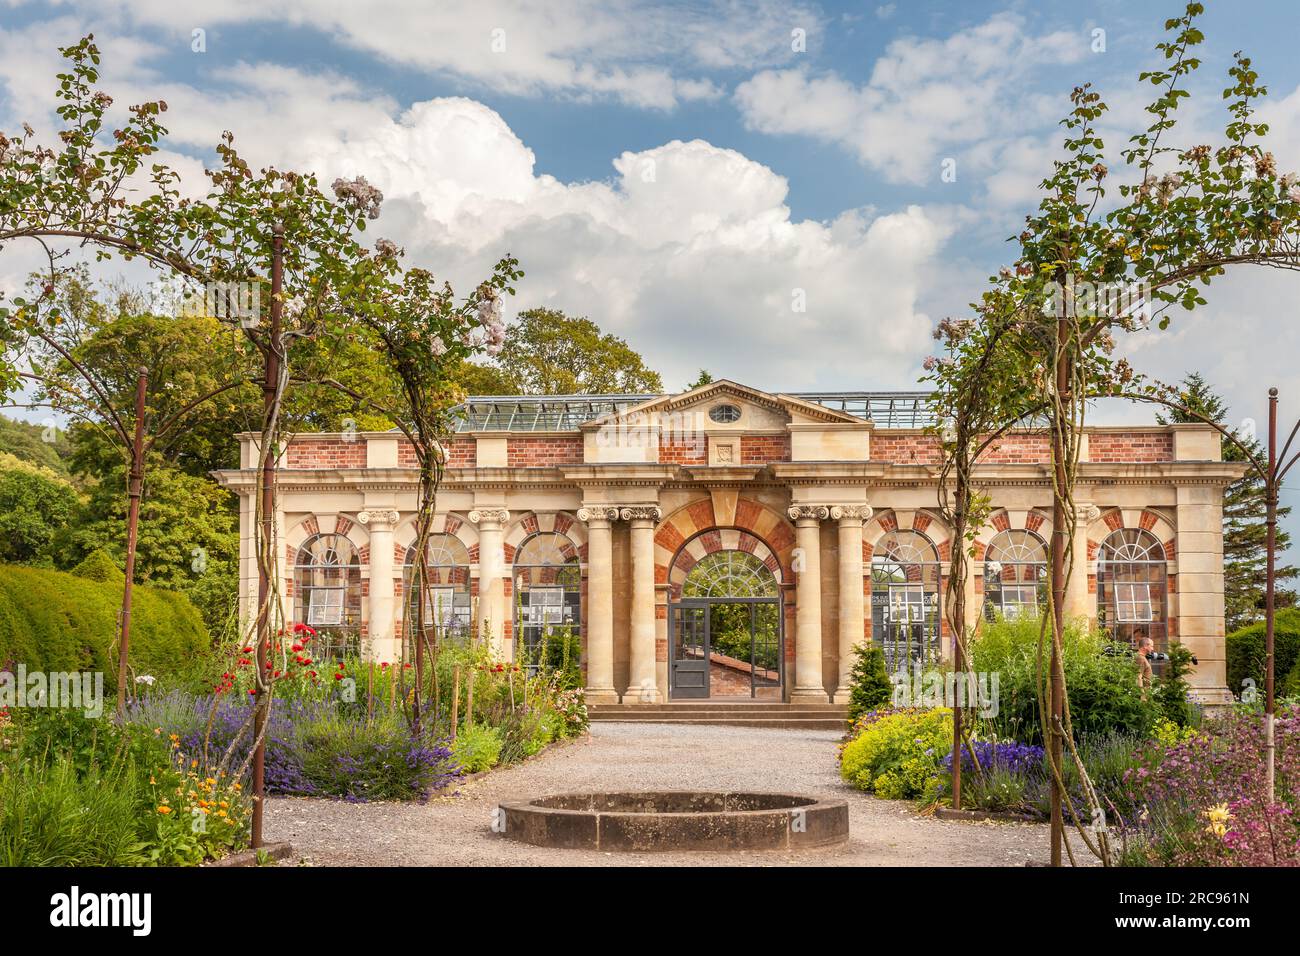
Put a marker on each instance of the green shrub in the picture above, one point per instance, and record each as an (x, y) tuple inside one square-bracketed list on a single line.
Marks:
[(1170, 690), (477, 748), (871, 687), (54, 621), (898, 754), (1103, 689), (51, 815), (81, 792), (1245, 651), (371, 758)]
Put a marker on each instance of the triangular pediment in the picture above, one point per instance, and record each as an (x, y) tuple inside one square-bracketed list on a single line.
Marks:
[(703, 398)]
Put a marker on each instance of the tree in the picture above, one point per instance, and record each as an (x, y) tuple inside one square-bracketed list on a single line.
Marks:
[(27, 442), (34, 508), (704, 378), (189, 536), (1193, 211), (425, 336), (1244, 553), (871, 687), (549, 353)]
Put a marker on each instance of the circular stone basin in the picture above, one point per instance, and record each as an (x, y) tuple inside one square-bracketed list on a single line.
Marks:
[(648, 821)]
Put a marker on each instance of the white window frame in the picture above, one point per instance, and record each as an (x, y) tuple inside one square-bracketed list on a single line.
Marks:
[(1128, 608), (550, 610), (327, 612)]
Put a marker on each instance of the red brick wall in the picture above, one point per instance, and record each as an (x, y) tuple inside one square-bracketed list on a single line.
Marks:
[(760, 449), (1018, 449), (1130, 446), (461, 453), (1135, 446), (544, 452), (683, 451), (325, 453), (905, 449)]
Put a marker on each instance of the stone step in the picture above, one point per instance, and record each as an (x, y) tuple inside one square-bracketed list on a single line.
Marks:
[(779, 723), (754, 710)]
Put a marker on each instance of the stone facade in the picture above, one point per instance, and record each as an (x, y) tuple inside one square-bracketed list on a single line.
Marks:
[(599, 525)]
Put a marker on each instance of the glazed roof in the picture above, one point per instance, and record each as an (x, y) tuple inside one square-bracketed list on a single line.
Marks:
[(559, 413)]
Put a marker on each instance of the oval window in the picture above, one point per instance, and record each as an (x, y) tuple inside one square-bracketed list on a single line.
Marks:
[(724, 414)]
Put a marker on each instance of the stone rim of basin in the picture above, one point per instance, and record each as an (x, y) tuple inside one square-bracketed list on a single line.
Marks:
[(660, 820)]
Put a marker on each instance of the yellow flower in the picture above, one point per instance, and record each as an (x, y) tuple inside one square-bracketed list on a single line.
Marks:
[(1219, 816)]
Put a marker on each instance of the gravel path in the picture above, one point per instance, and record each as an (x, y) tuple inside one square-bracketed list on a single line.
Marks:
[(456, 830)]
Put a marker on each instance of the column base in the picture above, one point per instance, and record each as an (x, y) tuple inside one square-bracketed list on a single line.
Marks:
[(647, 693), (601, 695), (1214, 700), (841, 695), (810, 695)]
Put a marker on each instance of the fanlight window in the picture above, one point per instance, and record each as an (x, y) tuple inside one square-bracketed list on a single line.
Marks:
[(547, 595), (737, 574), (327, 592), (1132, 585), (905, 613), (447, 603), (1015, 575)]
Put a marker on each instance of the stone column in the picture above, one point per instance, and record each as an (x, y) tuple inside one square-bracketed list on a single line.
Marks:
[(641, 685), (383, 634), (600, 604), (852, 620), (491, 569), (808, 684), (1198, 550), (1078, 602)]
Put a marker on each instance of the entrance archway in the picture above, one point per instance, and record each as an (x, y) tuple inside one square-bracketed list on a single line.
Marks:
[(724, 622)]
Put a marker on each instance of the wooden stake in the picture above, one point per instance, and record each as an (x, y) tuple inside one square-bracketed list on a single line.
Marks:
[(455, 700), (469, 701)]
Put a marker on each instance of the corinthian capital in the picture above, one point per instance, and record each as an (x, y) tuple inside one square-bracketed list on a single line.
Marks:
[(809, 512), (641, 513), (598, 513), (382, 519), (851, 512), (489, 515)]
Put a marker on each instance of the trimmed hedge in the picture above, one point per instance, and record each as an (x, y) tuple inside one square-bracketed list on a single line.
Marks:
[(55, 621), (1246, 654)]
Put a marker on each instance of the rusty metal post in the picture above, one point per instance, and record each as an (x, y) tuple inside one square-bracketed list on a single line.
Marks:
[(1270, 499), (134, 490)]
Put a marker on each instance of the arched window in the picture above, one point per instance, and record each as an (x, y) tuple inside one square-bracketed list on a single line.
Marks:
[(1015, 575), (447, 606), (736, 574), (905, 598), (1132, 580), (547, 592), (327, 593)]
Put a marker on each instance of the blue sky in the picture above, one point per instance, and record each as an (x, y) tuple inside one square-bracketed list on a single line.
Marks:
[(677, 171)]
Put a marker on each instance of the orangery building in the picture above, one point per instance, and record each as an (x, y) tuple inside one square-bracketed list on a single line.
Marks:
[(730, 542)]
